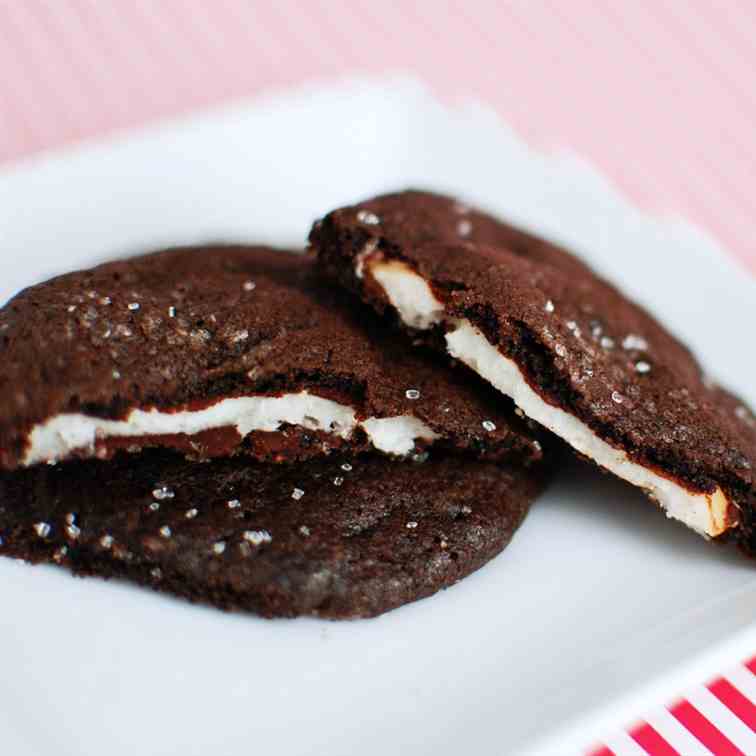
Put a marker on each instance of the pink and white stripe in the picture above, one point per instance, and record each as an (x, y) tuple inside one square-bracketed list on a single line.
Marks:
[(716, 718)]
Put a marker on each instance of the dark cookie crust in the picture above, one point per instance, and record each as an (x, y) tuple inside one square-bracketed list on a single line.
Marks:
[(185, 327), (362, 537), (580, 343)]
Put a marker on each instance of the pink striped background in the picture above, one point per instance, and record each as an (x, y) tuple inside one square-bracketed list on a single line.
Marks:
[(657, 93)]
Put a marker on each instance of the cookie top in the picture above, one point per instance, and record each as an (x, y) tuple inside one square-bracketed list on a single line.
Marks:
[(220, 349), (412, 218), (574, 353), (326, 537)]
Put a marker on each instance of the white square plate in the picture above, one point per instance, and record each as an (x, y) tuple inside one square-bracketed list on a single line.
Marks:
[(597, 595)]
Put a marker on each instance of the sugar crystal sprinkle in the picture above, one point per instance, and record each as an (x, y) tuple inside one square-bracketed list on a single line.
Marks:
[(163, 492), (742, 413), (73, 532), (256, 537), (249, 286), (154, 506), (219, 547), (42, 529), (304, 530), (171, 312), (642, 367), (156, 572), (71, 308), (549, 306), (368, 218), (560, 350), (60, 553), (338, 480), (412, 394), (116, 374), (607, 342), (234, 504), (631, 341), (346, 467), (106, 541), (106, 300), (464, 227), (617, 397), (489, 425), (134, 306), (191, 513), (411, 525), (165, 531), (297, 494)]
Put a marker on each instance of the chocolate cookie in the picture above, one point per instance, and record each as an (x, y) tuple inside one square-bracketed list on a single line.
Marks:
[(222, 349), (325, 537), (573, 352)]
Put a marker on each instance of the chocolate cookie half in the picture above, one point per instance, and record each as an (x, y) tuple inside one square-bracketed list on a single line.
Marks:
[(325, 537), (221, 349), (573, 352)]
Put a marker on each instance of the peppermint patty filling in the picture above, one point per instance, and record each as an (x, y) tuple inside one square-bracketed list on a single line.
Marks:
[(64, 434), (417, 306)]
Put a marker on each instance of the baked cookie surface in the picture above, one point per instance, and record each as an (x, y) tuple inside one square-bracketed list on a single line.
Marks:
[(217, 350), (573, 352), (327, 537)]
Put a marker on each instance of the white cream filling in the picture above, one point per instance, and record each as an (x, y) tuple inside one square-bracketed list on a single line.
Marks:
[(409, 293), (397, 435), (419, 308), (63, 434)]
